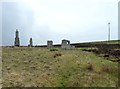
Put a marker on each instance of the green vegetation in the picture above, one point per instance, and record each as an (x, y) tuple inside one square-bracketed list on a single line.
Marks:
[(32, 67), (89, 49), (53, 49)]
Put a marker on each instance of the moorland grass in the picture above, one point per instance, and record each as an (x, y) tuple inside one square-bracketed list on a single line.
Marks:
[(40, 67)]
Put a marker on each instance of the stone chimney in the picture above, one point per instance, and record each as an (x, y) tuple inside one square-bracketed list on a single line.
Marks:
[(17, 41), (31, 43)]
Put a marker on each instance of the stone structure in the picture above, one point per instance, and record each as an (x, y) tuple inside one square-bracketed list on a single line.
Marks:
[(65, 44), (17, 41), (31, 43), (72, 47), (49, 44)]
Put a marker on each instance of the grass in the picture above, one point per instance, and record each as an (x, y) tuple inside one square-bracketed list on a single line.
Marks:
[(40, 67)]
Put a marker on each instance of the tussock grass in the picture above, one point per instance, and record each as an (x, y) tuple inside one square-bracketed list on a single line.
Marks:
[(90, 67), (57, 54)]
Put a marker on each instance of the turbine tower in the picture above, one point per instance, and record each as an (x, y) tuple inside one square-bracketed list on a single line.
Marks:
[(108, 31), (119, 20)]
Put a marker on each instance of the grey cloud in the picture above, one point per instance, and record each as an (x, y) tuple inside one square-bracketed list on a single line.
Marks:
[(18, 16), (12, 19)]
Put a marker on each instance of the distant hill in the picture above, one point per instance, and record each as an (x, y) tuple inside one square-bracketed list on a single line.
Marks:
[(106, 42), (111, 43)]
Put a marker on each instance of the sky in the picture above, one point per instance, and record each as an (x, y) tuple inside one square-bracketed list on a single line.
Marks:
[(75, 20)]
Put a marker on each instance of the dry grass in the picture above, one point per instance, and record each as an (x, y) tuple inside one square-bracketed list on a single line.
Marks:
[(108, 69), (32, 67)]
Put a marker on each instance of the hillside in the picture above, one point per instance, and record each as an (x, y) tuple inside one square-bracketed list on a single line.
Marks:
[(42, 67), (105, 42)]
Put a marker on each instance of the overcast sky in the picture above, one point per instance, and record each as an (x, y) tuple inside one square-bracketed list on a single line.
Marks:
[(75, 20)]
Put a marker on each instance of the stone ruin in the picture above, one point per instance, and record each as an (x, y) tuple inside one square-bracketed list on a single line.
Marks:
[(49, 44), (66, 44), (31, 43), (17, 41)]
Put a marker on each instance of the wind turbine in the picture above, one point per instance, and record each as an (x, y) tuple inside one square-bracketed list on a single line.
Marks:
[(108, 31)]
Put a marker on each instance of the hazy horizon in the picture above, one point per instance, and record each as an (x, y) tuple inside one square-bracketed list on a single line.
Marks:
[(75, 20)]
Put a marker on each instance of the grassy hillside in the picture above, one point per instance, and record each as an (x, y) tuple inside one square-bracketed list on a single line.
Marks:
[(42, 67), (106, 42)]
